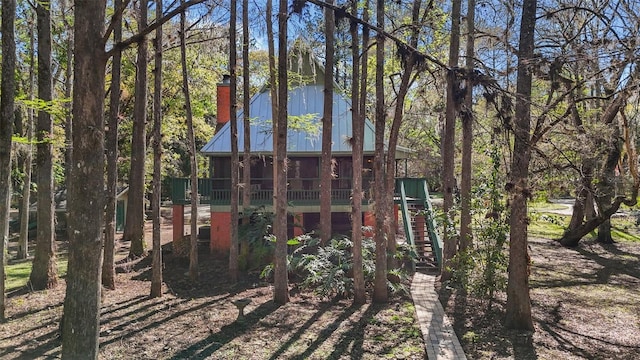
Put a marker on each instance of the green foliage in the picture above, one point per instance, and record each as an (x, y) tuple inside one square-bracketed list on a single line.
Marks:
[(256, 245), (328, 270), (481, 269)]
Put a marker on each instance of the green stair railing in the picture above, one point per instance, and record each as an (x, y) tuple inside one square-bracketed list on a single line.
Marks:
[(406, 218), (436, 241)]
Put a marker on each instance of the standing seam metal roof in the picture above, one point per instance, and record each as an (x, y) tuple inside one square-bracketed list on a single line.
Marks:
[(305, 101)]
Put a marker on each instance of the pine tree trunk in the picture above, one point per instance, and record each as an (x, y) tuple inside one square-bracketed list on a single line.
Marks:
[(448, 145), (85, 204), (380, 293), (193, 241), (23, 242), (235, 161), (43, 273), (7, 106), (359, 295), (156, 263), (246, 158), (281, 283), (108, 265), (326, 173), (467, 135), (134, 224), (518, 309), (398, 115)]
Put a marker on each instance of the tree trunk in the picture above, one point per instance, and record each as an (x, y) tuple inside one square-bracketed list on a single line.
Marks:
[(448, 145), (108, 266), (606, 185), (380, 293), (7, 106), (43, 273), (398, 115), (134, 224), (80, 329), (467, 135), (68, 121), (235, 161), (326, 173), (23, 242), (156, 264), (607, 206), (193, 248), (357, 119), (518, 309), (246, 118), (281, 286)]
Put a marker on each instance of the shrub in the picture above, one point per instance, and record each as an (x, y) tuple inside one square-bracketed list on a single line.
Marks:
[(328, 270)]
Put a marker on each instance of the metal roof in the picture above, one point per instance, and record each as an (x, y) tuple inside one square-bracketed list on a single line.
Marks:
[(305, 109)]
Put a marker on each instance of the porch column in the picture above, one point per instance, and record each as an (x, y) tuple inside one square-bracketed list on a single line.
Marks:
[(370, 221), (298, 224), (177, 215), (220, 240)]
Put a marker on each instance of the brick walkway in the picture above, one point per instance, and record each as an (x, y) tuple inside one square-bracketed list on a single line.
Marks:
[(440, 340)]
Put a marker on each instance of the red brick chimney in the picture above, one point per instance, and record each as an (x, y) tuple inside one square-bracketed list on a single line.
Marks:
[(223, 102)]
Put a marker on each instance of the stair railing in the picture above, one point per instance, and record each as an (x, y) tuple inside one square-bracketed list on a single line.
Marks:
[(406, 219), (436, 241)]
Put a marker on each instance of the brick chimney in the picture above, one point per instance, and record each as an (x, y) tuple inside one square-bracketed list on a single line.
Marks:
[(223, 102)]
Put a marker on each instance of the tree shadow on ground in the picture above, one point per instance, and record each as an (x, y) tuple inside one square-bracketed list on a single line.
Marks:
[(206, 347), (355, 335), (612, 259), (213, 276), (323, 336)]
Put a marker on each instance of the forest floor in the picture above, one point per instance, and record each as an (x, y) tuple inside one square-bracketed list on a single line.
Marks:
[(198, 321), (585, 304), (585, 301)]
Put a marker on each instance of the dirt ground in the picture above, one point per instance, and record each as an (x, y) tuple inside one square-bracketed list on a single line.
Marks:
[(586, 305), (199, 321)]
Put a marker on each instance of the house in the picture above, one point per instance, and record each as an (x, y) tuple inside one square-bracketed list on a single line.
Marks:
[(305, 108)]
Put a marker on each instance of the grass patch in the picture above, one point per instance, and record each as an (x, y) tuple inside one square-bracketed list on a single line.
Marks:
[(622, 234), (548, 226), (542, 206), (18, 273)]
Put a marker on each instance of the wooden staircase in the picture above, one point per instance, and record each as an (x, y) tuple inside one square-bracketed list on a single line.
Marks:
[(426, 259), (419, 223)]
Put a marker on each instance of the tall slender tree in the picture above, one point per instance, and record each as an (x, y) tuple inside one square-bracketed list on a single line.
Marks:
[(134, 224), (156, 264), (281, 283), (23, 241), (111, 144), (357, 119), (467, 133), (326, 171), (7, 107), (246, 116), (43, 274), (518, 310), (235, 161), (68, 79), (406, 79), (193, 248), (80, 329), (448, 143), (273, 81), (380, 293)]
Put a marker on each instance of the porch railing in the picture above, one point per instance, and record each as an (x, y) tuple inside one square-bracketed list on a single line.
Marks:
[(299, 192)]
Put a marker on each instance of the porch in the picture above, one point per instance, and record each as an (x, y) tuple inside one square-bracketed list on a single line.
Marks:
[(300, 192)]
